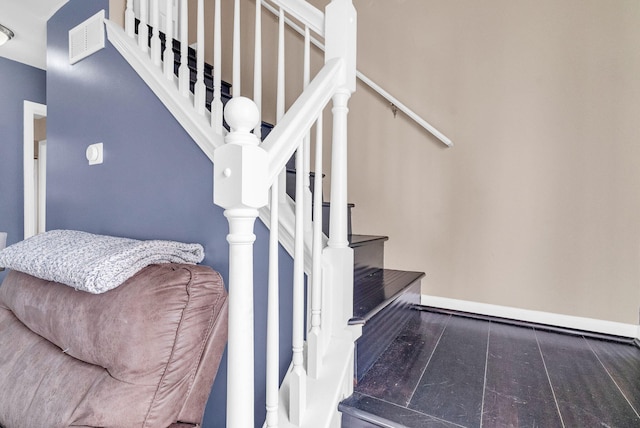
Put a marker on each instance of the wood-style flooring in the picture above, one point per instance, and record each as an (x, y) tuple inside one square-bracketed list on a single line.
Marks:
[(450, 371)]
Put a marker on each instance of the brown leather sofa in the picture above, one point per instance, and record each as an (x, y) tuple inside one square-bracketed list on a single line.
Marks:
[(141, 355)]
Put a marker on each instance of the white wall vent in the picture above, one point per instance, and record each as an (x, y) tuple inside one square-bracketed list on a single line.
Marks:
[(86, 38)]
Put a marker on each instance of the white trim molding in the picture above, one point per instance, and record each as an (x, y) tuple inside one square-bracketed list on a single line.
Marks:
[(31, 111), (538, 317)]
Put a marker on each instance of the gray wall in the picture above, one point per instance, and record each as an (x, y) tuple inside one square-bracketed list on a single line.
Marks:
[(19, 82), (154, 183)]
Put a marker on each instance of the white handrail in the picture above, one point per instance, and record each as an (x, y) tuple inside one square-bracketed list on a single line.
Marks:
[(283, 140), (367, 81)]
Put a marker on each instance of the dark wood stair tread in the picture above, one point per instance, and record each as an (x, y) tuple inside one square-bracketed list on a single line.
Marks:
[(364, 411), (328, 204), (368, 253), (361, 411), (373, 291), (356, 240), (392, 295)]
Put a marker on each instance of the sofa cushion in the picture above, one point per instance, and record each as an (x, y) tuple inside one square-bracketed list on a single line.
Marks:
[(124, 358)]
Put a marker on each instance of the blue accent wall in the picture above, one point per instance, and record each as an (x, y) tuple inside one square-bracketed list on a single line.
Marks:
[(18, 82), (155, 183)]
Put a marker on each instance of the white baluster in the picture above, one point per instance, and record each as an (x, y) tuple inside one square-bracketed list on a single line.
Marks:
[(257, 67), (216, 104), (240, 345), (338, 250), (130, 19), (199, 91), (240, 173), (281, 84), (143, 30), (236, 50), (168, 45), (306, 78), (297, 393), (273, 314), (155, 33), (280, 91), (338, 220), (184, 74), (314, 339)]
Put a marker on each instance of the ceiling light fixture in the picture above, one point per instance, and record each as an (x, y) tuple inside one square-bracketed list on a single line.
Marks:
[(5, 34)]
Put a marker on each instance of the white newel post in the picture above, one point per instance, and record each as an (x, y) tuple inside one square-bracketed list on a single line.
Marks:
[(240, 171), (341, 29)]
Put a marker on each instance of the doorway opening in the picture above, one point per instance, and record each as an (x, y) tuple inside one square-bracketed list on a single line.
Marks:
[(35, 167)]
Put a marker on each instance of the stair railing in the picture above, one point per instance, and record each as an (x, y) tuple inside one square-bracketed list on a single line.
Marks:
[(246, 172), (248, 183)]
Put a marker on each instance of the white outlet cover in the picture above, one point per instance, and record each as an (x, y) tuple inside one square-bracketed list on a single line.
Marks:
[(94, 154)]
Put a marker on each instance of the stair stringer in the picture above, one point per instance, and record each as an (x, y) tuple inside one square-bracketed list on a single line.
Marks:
[(197, 126)]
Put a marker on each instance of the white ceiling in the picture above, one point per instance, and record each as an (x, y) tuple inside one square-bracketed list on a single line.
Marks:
[(28, 20)]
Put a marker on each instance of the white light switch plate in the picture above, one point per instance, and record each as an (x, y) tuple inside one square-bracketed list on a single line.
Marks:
[(94, 154)]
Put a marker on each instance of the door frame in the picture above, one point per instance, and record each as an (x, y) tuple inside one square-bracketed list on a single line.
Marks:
[(32, 210)]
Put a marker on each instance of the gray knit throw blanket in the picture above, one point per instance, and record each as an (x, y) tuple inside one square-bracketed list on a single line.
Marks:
[(92, 263)]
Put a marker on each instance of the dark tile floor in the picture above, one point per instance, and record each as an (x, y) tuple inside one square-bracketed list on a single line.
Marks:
[(450, 371)]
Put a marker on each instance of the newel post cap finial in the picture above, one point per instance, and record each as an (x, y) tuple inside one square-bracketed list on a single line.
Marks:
[(240, 165), (242, 115)]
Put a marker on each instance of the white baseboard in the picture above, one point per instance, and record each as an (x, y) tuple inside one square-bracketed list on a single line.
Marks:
[(547, 318)]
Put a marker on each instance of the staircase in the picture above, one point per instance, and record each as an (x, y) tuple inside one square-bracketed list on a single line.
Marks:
[(354, 306), (381, 296)]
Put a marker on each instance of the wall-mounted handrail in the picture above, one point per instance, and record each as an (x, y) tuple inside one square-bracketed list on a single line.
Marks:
[(364, 79), (406, 110)]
